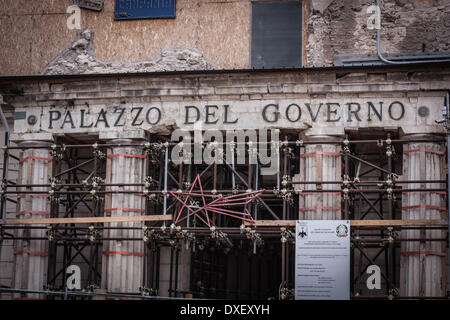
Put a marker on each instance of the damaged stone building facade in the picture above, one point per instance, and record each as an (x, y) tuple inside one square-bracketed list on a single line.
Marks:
[(92, 119)]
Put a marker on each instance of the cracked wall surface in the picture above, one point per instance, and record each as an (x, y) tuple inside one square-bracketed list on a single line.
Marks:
[(79, 58), (408, 26)]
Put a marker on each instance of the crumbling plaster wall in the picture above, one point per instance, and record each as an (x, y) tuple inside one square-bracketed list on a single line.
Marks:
[(79, 58), (33, 33), (408, 26)]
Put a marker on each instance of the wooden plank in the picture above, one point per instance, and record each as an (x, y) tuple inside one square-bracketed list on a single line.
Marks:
[(87, 220), (355, 223)]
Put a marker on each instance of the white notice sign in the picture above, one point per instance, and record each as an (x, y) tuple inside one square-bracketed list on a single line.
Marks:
[(322, 260)]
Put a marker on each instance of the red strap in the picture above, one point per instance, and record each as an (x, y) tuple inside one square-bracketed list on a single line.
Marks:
[(436, 192), (35, 158), (430, 253), (426, 206), (424, 150), (319, 208), (126, 155), (320, 152), (34, 253), (313, 193), (123, 253), (42, 195), (32, 212), (126, 210)]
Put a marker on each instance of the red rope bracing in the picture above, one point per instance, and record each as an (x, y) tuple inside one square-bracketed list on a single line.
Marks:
[(320, 208), (424, 150), (429, 253), (46, 213), (123, 253), (203, 209), (126, 210), (126, 155), (320, 152), (33, 253), (35, 158), (426, 206)]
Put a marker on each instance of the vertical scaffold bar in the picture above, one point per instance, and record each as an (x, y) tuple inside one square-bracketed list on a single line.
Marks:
[(391, 256), (5, 163), (346, 172), (166, 168)]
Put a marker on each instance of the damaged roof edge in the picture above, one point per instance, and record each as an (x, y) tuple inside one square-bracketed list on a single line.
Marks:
[(426, 66)]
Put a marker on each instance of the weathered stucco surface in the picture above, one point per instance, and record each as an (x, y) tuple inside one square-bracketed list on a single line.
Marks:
[(35, 32)]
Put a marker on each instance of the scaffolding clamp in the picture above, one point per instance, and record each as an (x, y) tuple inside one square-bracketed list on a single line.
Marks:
[(53, 197), (55, 153), (285, 293), (98, 153), (346, 143), (380, 143), (92, 233), (392, 293), (147, 292), (4, 188), (391, 235), (390, 193), (220, 237), (254, 237), (345, 192), (286, 235), (51, 233)]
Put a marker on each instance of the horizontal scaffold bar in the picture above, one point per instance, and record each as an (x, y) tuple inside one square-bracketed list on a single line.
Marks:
[(87, 220), (353, 223)]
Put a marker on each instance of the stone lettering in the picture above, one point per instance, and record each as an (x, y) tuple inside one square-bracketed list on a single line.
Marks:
[(299, 112), (275, 113), (208, 113), (121, 111), (355, 112), (68, 119), (334, 111), (138, 113), (372, 107), (402, 110), (187, 114), (83, 111), (226, 116), (102, 118), (52, 118), (313, 117), (158, 118)]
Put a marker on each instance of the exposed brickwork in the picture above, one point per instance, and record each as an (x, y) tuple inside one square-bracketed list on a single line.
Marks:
[(408, 26)]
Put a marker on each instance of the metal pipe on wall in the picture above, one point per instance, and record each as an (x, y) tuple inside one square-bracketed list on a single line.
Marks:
[(387, 61)]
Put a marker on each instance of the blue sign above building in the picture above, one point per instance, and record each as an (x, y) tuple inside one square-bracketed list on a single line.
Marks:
[(144, 9)]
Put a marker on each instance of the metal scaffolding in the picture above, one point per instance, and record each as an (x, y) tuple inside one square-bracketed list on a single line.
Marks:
[(236, 242)]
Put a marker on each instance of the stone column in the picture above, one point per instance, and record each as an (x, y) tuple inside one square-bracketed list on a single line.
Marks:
[(320, 162), (122, 262), (31, 256), (423, 264)]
